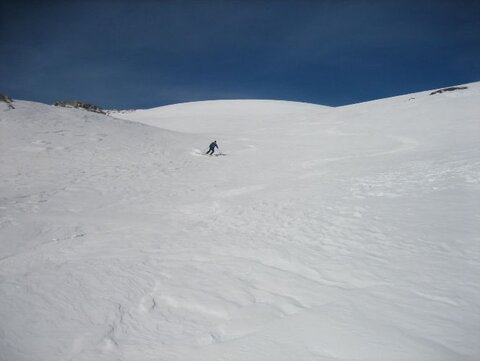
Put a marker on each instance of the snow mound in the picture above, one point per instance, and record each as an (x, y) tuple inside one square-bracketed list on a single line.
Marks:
[(327, 234), (223, 115)]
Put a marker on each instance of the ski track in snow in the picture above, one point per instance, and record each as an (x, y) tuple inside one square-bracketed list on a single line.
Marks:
[(322, 234)]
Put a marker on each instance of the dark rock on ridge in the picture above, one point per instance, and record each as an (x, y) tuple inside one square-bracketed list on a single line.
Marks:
[(79, 105)]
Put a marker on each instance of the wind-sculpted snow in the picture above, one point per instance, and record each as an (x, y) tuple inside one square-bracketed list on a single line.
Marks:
[(323, 233)]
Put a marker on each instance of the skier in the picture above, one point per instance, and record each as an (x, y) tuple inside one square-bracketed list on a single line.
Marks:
[(212, 147)]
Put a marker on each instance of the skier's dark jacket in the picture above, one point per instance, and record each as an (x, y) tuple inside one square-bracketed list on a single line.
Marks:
[(213, 145)]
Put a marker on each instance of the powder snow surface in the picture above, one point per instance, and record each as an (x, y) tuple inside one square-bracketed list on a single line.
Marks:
[(325, 234)]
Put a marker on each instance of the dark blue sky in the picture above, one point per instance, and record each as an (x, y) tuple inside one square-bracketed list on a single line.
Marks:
[(141, 54)]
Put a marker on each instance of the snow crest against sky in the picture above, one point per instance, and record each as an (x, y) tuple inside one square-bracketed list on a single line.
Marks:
[(142, 54)]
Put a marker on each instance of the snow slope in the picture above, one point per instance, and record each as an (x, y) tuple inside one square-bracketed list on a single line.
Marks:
[(327, 234)]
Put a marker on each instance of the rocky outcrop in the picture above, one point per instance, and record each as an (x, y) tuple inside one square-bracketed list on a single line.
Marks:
[(8, 100), (448, 89), (79, 105)]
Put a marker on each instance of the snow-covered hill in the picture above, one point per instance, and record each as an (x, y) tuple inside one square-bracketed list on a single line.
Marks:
[(346, 233)]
